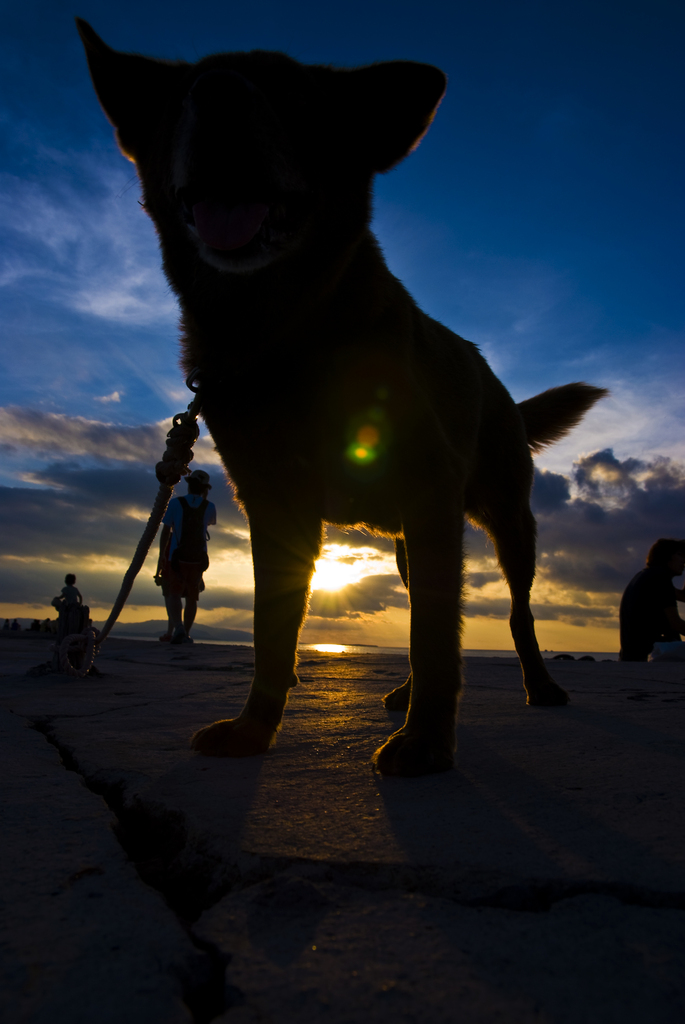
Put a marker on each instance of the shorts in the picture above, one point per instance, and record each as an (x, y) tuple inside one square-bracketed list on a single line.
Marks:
[(185, 581)]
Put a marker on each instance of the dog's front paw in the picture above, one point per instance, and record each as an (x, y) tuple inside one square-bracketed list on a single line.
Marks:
[(398, 700), (233, 737), (549, 695), (411, 754)]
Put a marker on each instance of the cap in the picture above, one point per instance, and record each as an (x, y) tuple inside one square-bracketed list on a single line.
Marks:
[(201, 477)]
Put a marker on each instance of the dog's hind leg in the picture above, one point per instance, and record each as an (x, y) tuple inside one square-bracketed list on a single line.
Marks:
[(513, 535), (285, 545), (398, 699), (433, 526)]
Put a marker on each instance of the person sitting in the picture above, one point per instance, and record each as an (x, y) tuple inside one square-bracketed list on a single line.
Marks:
[(649, 612), (73, 613), (7, 624), (15, 625), (70, 593)]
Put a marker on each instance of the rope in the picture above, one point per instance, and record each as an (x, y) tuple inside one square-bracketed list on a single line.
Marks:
[(173, 465)]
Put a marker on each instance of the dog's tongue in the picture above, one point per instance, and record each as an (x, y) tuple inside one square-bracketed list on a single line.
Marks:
[(224, 227)]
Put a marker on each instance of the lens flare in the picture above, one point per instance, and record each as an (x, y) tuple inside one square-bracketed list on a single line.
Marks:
[(365, 447), (360, 453), (368, 435)]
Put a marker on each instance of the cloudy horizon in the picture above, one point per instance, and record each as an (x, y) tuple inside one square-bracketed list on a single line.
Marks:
[(84, 513)]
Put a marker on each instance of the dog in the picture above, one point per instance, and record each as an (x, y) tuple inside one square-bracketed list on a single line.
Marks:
[(331, 397)]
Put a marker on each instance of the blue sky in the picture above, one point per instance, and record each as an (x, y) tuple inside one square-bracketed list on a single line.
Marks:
[(541, 218)]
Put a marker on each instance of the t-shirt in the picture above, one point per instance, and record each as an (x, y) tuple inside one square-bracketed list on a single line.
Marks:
[(173, 517), (71, 594), (642, 615)]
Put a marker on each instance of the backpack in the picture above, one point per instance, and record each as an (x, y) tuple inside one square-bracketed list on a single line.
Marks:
[(192, 547)]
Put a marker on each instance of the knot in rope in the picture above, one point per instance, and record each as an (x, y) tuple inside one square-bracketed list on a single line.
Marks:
[(179, 449)]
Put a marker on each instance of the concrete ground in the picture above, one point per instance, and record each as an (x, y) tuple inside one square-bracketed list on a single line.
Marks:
[(541, 881)]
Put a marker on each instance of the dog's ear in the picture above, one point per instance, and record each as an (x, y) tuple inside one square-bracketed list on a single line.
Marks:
[(132, 90), (391, 105)]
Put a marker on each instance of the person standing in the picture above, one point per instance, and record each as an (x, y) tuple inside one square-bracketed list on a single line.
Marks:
[(183, 555), (649, 611)]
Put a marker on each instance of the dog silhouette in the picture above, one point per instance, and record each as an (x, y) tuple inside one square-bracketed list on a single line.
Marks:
[(331, 397)]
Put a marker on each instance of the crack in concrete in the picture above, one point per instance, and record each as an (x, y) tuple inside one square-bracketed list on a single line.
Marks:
[(204, 989), (155, 838)]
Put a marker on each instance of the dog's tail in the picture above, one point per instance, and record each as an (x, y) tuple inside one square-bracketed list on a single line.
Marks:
[(549, 416)]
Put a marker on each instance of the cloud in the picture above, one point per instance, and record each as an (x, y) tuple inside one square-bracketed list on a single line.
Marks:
[(550, 491), (78, 237), (625, 421), (369, 595), (105, 399), (599, 538), (594, 530), (49, 433), (85, 305), (79, 512), (476, 580), (495, 608), (227, 597)]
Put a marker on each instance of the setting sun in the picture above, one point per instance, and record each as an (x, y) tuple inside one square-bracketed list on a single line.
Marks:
[(341, 565)]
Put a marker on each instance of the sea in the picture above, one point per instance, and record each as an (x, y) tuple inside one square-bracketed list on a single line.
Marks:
[(374, 649)]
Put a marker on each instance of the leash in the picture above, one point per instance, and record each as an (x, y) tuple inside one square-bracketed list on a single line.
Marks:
[(173, 465)]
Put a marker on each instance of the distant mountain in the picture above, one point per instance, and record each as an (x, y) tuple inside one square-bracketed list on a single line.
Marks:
[(155, 627)]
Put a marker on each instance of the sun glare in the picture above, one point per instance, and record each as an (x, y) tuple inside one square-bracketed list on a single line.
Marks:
[(341, 565), (328, 648)]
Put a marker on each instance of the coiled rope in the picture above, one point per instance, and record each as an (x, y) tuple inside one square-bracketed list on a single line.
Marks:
[(174, 464)]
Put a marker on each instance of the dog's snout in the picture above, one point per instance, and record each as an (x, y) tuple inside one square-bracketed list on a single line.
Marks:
[(236, 183)]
